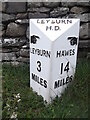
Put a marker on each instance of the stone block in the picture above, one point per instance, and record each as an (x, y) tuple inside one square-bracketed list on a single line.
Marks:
[(26, 46), (51, 4), (59, 12), (88, 56), (6, 17), (2, 26), (82, 54), (15, 30), (22, 16), (41, 10), (0, 50), (83, 17), (13, 43), (24, 53), (38, 15), (24, 60), (79, 10), (2, 33), (68, 4), (14, 63), (15, 7), (34, 4), (84, 4), (2, 6), (84, 44), (75, 3), (4, 50), (27, 33), (85, 31), (23, 21), (8, 57)]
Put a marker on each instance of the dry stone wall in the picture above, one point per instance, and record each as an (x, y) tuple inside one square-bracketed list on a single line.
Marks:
[(14, 35)]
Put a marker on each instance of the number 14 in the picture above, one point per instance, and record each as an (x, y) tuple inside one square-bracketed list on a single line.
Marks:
[(64, 68)]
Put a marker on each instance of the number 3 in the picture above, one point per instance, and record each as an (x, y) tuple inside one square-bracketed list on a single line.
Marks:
[(39, 66)]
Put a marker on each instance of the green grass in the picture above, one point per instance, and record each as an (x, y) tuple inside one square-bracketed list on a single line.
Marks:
[(0, 91), (72, 104)]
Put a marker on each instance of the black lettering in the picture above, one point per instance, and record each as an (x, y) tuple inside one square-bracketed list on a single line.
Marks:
[(42, 22), (38, 21), (33, 76), (39, 66), (58, 53), (52, 22), (41, 81), (70, 52), (39, 52), (69, 21), (66, 67), (57, 21), (63, 21), (61, 83), (61, 68), (71, 78), (37, 79), (67, 80), (33, 50), (57, 28), (48, 28), (64, 81), (63, 53), (48, 53), (47, 21), (73, 52), (66, 53), (56, 85), (45, 83), (44, 53)]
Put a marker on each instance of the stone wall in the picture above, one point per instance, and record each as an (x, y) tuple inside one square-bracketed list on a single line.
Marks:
[(14, 36)]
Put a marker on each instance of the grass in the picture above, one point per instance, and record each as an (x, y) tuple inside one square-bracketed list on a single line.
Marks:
[(72, 104), (0, 91)]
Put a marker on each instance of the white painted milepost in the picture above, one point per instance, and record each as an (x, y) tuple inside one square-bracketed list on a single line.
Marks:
[(53, 55)]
